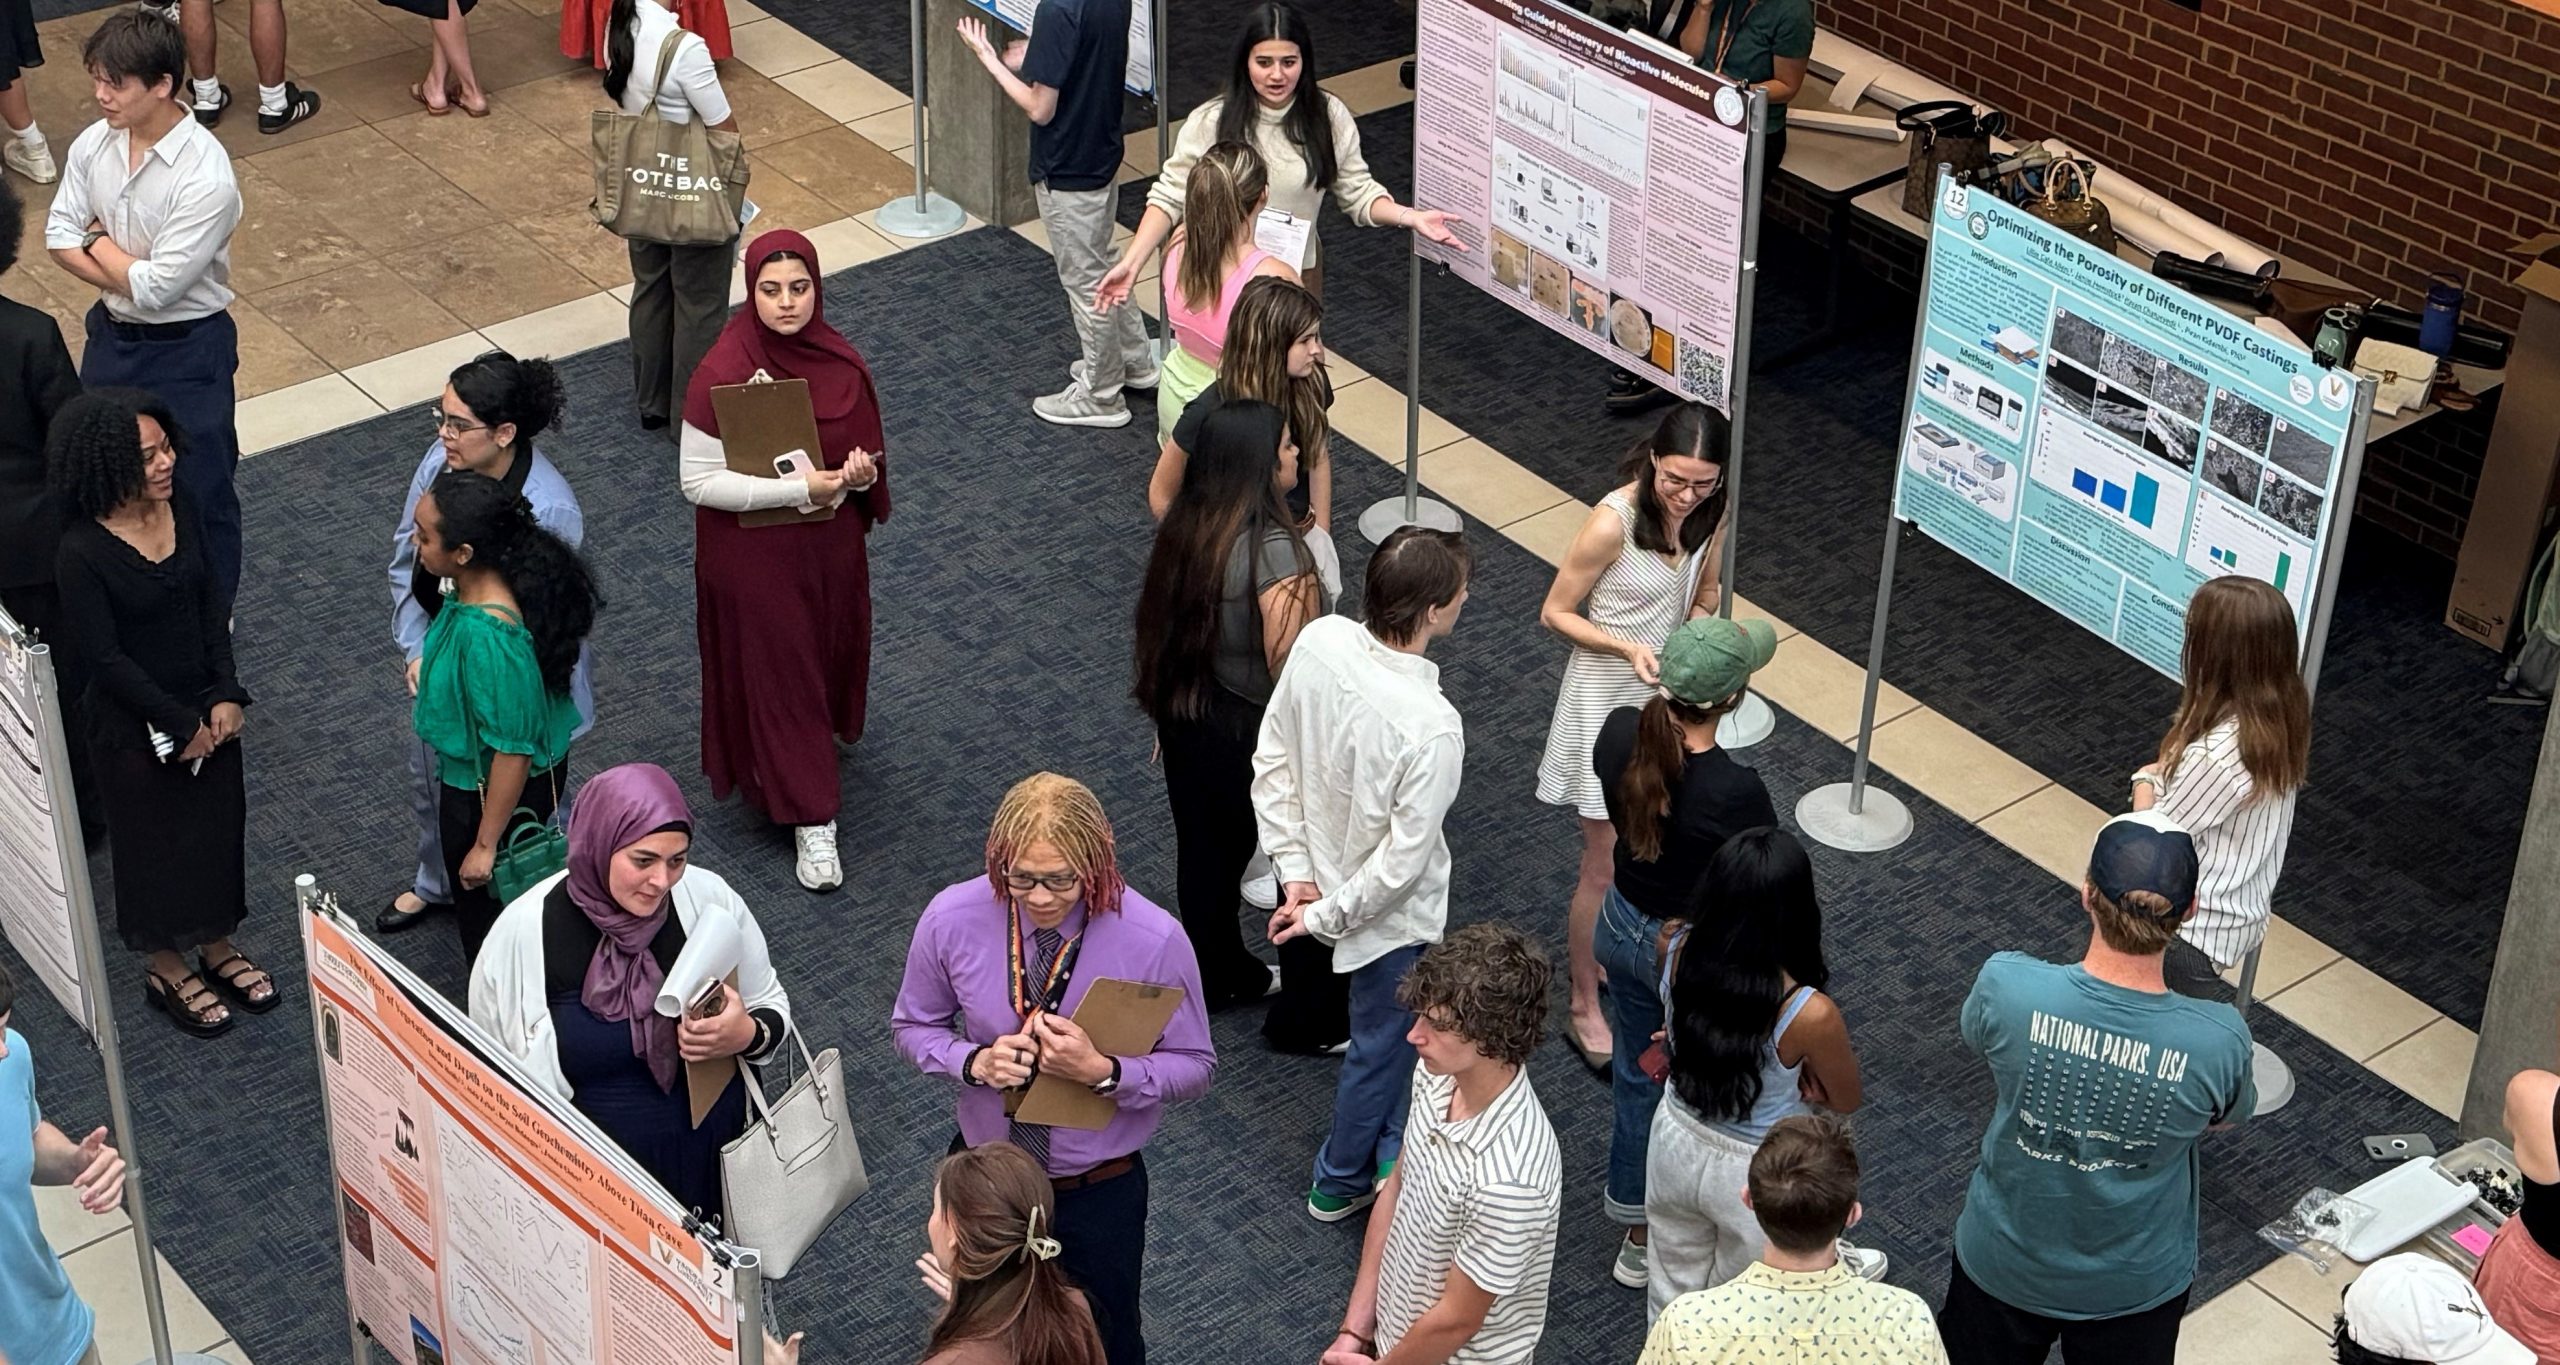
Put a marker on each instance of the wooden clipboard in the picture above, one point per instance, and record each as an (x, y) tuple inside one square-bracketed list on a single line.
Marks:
[(1124, 1019), (706, 1082), (759, 420)]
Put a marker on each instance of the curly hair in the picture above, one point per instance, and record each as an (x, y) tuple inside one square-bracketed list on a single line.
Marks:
[(1064, 813), (93, 452), (1491, 983), (550, 582), (499, 389), (13, 225)]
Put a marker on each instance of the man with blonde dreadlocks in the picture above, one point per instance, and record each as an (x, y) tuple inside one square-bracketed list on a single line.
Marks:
[(998, 965)]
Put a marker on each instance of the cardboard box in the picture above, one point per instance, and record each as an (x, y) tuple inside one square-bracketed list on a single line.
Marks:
[(2517, 476)]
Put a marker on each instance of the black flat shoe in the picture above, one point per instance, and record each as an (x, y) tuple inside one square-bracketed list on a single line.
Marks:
[(653, 421), (394, 920), (187, 1007)]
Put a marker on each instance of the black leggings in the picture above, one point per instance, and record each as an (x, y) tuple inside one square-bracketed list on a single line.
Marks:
[(475, 909), (1208, 780)]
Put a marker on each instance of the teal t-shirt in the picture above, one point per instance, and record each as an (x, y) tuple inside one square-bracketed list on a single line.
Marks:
[(1763, 31), (41, 1321), (2084, 1202)]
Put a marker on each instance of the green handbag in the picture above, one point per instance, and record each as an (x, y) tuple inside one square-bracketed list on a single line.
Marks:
[(534, 850)]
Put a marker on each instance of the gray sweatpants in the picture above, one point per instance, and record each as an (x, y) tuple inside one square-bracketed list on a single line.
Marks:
[(1114, 344)]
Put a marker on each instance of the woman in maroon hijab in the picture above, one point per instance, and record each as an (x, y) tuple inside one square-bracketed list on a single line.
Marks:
[(783, 612)]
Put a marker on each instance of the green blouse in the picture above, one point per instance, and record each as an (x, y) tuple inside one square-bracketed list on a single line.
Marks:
[(480, 694)]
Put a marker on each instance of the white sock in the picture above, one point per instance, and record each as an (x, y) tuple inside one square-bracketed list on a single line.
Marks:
[(30, 135), (271, 99), (208, 93)]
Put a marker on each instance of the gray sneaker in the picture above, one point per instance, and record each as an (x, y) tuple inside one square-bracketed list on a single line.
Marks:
[(1072, 406), (1866, 1263), (1629, 1269), (1131, 378)]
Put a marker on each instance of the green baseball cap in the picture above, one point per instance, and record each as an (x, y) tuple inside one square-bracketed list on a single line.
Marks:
[(1711, 658)]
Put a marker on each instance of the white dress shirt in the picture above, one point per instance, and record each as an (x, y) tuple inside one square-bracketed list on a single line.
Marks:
[(1357, 763), (2240, 833), (175, 213)]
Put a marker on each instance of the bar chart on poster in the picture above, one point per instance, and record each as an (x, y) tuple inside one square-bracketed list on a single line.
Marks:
[(1141, 75), (2107, 442)]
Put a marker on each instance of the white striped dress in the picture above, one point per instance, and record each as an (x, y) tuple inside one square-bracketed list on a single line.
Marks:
[(2240, 841), (1642, 597), (1481, 1194)]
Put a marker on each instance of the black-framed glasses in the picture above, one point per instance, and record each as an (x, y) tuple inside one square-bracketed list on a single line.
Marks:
[(1673, 483), (1060, 883)]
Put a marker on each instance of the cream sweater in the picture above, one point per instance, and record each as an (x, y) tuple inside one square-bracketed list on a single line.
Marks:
[(1353, 187)]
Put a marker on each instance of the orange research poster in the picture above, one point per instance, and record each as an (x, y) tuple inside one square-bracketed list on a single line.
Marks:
[(479, 1229)]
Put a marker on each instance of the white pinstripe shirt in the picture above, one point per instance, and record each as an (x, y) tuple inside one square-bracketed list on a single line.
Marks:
[(2240, 837), (1481, 1194), (176, 212)]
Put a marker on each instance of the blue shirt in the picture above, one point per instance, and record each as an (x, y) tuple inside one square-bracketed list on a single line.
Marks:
[(2084, 1202), (1079, 48), (41, 1321), (555, 509)]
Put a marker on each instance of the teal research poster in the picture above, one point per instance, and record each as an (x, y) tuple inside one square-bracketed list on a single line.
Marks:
[(2107, 441)]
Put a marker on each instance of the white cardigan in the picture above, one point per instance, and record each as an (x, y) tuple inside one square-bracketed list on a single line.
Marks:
[(509, 1002)]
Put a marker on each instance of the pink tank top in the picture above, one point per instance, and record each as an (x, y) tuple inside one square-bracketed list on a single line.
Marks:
[(1203, 333)]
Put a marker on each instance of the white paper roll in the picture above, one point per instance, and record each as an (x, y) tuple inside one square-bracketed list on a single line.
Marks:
[(2236, 252), (711, 952), (1899, 86), (2150, 233)]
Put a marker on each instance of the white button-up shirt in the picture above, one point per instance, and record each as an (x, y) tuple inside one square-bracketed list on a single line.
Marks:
[(1357, 764), (175, 213)]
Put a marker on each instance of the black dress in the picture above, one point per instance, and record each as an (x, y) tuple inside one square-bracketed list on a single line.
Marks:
[(18, 47), (613, 1087), (157, 641)]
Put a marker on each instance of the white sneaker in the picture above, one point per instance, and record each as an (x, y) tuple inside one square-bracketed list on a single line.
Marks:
[(1260, 887), (818, 869), (1866, 1263), (168, 11), (1072, 406), (32, 160)]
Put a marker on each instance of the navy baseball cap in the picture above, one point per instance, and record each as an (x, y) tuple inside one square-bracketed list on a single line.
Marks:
[(2144, 850)]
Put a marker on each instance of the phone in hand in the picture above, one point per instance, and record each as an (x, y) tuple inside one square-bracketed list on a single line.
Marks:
[(1655, 1063), (708, 1003), (791, 464)]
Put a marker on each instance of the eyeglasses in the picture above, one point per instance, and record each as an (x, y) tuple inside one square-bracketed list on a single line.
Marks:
[(1672, 483), (449, 425), (1060, 883)]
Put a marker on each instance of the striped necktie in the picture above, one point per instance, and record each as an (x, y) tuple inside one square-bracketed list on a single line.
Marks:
[(1034, 1137)]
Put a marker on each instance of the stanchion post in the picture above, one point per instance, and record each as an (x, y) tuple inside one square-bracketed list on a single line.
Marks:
[(1163, 344), (1386, 516), (748, 1284), (1750, 721), (928, 214)]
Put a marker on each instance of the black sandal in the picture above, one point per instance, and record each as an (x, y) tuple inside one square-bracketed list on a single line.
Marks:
[(179, 1002), (238, 985)]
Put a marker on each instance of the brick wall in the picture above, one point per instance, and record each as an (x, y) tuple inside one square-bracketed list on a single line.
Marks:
[(2375, 141)]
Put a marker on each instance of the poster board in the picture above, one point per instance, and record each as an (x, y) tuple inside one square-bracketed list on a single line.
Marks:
[(483, 1227), (2106, 441), (1140, 79), (1600, 180), (43, 892)]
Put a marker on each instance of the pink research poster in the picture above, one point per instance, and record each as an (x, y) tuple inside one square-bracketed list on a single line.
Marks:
[(1601, 182)]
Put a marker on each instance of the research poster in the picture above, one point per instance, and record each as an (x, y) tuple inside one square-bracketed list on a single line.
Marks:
[(36, 909), (1141, 75), (1599, 182), (2108, 442), (481, 1230)]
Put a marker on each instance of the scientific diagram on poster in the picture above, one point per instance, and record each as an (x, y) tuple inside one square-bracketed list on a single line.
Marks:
[(1599, 182), (2108, 442), (1141, 75), (482, 1228)]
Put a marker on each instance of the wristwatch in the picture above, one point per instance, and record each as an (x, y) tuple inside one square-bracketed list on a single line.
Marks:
[(1109, 1085), (92, 238), (969, 1068)]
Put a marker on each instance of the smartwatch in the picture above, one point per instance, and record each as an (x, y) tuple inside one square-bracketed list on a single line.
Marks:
[(1109, 1085)]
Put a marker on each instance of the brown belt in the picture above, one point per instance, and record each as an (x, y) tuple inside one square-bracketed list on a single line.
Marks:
[(1109, 1170)]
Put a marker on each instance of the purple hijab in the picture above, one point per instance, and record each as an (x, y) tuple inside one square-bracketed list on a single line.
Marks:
[(616, 809)]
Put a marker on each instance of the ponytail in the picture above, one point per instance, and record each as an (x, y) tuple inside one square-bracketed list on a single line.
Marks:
[(550, 582), (617, 47), (1653, 771), (1217, 210)]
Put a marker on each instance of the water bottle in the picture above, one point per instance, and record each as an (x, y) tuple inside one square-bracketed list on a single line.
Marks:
[(2443, 318)]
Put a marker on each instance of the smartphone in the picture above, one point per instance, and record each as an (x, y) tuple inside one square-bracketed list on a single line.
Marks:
[(2398, 1146), (790, 464), (708, 1002)]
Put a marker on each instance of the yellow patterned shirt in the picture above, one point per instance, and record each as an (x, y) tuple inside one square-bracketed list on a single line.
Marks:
[(1768, 1316)]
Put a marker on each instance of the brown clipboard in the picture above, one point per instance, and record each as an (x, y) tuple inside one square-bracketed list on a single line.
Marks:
[(1124, 1019), (706, 1082), (762, 419)]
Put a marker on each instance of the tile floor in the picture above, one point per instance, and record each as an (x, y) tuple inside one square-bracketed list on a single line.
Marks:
[(380, 246)]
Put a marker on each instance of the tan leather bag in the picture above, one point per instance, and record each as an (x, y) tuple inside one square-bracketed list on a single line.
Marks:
[(680, 184)]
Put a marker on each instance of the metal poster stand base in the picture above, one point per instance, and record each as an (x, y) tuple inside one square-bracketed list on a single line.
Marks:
[(1390, 515), (2268, 1071), (1386, 516), (928, 214), (1748, 723), (1841, 816)]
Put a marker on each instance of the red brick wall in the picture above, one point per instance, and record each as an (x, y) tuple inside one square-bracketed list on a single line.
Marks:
[(2377, 141)]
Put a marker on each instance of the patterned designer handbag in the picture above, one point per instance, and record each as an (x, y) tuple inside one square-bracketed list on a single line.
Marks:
[(796, 1166), (680, 184), (2067, 204)]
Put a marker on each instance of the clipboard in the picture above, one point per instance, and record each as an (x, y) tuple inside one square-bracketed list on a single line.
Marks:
[(706, 1082), (1124, 1019), (759, 420)]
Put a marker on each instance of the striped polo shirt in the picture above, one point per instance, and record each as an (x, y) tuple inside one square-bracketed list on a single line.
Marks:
[(2240, 836), (1481, 1194)]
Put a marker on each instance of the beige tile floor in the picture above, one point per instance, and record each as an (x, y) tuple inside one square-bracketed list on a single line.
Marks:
[(380, 247)]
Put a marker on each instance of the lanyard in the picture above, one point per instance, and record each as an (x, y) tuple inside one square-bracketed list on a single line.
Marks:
[(1725, 34), (1060, 971)]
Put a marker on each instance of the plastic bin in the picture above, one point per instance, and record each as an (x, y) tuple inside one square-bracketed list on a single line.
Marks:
[(2480, 1218)]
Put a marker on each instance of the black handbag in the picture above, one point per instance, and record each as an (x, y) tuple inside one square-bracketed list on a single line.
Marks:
[(1942, 131)]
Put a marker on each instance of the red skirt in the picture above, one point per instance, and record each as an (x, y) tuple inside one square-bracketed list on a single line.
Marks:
[(583, 24), (782, 615), (2519, 1282)]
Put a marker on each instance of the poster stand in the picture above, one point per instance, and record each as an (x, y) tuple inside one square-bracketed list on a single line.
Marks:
[(1388, 515), (99, 1019), (928, 214), (1751, 720), (1856, 817)]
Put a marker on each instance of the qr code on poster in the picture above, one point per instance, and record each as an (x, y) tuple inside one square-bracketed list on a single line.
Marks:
[(1702, 374)]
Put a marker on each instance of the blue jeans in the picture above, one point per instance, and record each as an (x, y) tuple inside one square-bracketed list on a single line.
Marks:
[(1377, 1081), (1624, 944)]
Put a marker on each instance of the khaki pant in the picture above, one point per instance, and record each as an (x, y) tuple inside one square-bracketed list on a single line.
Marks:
[(1114, 343)]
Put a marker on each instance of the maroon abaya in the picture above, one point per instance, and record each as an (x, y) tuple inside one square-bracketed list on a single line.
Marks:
[(783, 613)]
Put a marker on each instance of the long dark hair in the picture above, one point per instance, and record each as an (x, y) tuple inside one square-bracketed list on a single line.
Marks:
[(1654, 769), (550, 582), (617, 47), (1000, 1209), (1227, 493), (1756, 923), (1700, 433), (93, 451), (1309, 122), (499, 389)]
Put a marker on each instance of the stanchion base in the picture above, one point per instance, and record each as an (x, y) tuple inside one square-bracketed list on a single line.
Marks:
[(2274, 1079), (1746, 724), (934, 216), (1386, 517), (1880, 823)]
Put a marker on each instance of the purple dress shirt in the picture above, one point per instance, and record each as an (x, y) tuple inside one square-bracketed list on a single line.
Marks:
[(957, 997)]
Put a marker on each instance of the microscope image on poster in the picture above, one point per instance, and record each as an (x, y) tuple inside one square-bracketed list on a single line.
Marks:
[(1935, 451)]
